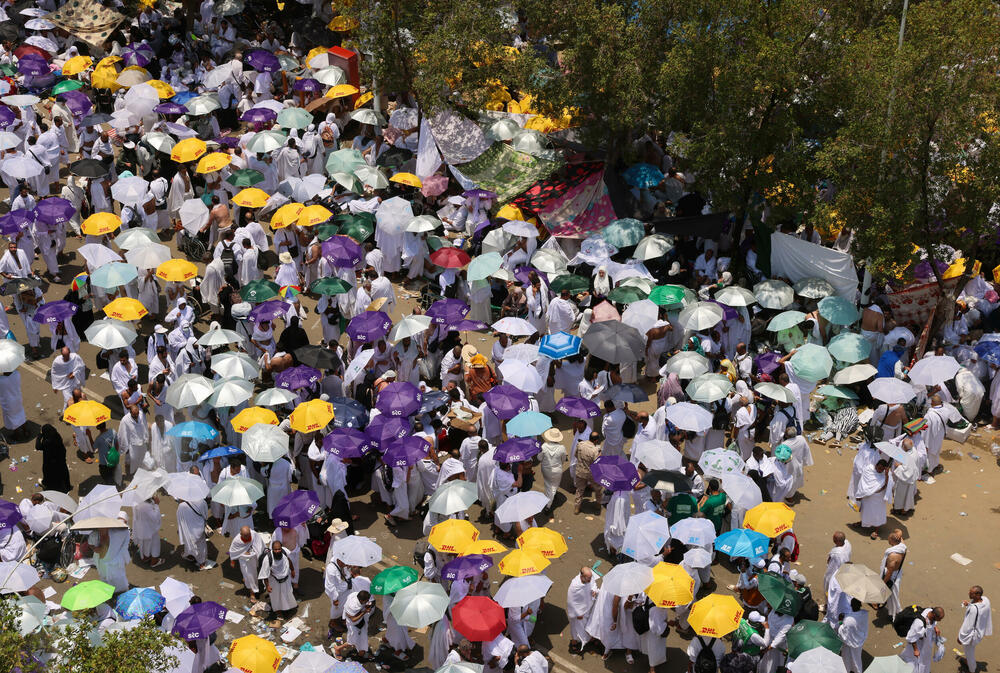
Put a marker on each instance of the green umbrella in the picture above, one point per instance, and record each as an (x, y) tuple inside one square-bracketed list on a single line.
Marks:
[(330, 286), (624, 232), (9, 70), (841, 392), (245, 177), (481, 267), (571, 282), (259, 290), (87, 595), (849, 347), (344, 161), (66, 85), (626, 294), (808, 634), (359, 230), (838, 311), (391, 580), (665, 295), (786, 320), (779, 593), (347, 180), (326, 230), (366, 217), (812, 362)]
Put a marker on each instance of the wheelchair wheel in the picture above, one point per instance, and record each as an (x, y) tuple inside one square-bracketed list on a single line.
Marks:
[(195, 249)]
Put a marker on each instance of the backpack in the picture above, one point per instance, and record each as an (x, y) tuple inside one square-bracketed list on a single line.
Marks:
[(228, 258), (904, 619), (705, 661), (640, 617), (419, 549)]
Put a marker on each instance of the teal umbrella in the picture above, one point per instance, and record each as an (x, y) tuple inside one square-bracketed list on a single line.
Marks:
[(623, 233), (665, 295), (786, 320), (626, 294), (115, 274), (838, 311), (779, 593), (840, 392), (344, 161), (267, 141), (709, 387), (481, 267), (812, 362), (849, 347), (245, 177), (571, 282), (392, 579), (66, 85), (808, 634)]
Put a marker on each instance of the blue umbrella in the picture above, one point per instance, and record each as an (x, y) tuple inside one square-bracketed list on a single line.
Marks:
[(138, 603), (113, 275), (348, 413), (742, 543), (182, 97), (434, 399), (221, 452), (559, 345), (528, 424), (989, 351), (643, 175), (193, 430)]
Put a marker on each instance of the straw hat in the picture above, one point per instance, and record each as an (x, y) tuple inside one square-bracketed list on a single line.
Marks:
[(552, 435)]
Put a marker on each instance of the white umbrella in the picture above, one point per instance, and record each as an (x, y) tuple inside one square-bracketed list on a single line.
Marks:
[(891, 390), (522, 352), (890, 664), (143, 485), (696, 532), (720, 462), (859, 581), (814, 288), (189, 390), (641, 314), (894, 451), (452, 497), (497, 240), (854, 374), (29, 613), (547, 261), (653, 246), (265, 443), (409, 326), (529, 141), (700, 315), (775, 392), (219, 337), (110, 334), (194, 215), (520, 228), (187, 486), (218, 75), (358, 365), (934, 369), (275, 106), (423, 223), (148, 256), (330, 76), (734, 295), (136, 237), (817, 660), (102, 500), (466, 666), (203, 104), (368, 116), (521, 375), (161, 142), (687, 365), (626, 579), (742, 490), (657, 454), (98, 255), (521, 506), (130, 191), (520, 591), (231, 392), (177, 595), (514, 326), (371, 177), (237, 492), (356, 550), (273, 397), (39, 24), (61, 500), (502, 129), (21, 167), (698, 558), (20, 100), (235, 364), (419, 605), (16, 577), (708, 388), (773, 294), (688, 416), (11, 356), (9, 141), (645, 535), (897, 333), (316, 661)]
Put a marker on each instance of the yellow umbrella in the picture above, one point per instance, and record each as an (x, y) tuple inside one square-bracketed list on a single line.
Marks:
[(163, 90), (341, 90), (253, 654), (286, 215), (715, 616), (366, 97), (188, 149), (452, 536), (408, 179), (99, 224), (311, 215), (521, 562), (770, 518), (86, 413), (176, 270), (251, 416), (510, 212), (342, 24), (671, 587), (483, 547), (108, 61), (212, 162), (104, 77), (76, 65), (251, 197), (125, 308), (311, 416), (546, 541)]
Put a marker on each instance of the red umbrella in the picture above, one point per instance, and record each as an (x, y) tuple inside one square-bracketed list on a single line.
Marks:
[(32, 49), (478, 618), (450, 258)]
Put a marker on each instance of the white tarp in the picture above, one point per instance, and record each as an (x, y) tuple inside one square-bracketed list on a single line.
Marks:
[(460, 139), (795, 259)]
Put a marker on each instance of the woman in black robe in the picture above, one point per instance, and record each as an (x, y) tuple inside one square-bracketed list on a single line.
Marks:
[(55, 473)]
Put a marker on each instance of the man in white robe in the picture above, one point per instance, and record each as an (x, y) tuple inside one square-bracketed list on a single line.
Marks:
[(356, 610), (191, 518), (852, 628), (68, 372), (920, 640), (161, 447), (11, 403), (892, 570), (552, 462), (276, 571), (580, 599), (977, 623), (874, 489), (562, 313), (801, 456), (247, 548), (12, 546), (905, 474), (181, 190), (279, 482), (937, 418), (146, 530), (839, 554), (111, 555), (133, 438), (248, 271)]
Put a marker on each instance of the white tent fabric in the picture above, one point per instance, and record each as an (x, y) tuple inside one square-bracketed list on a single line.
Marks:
[(793, 258)]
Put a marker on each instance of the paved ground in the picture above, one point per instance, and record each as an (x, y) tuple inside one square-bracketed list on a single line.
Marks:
[(956, 514)]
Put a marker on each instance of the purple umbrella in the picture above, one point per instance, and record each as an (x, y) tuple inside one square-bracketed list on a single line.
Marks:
[(262, 61), (9, 514), (52, 312), (468, 326), (521, 274), (295, 508), (767, 362), (400, 398), (578, 407), (517, 450), (307, 84), (259, 115), (448, 311), (479, 194), (342, 251), (32, 64), (200, 620), (170, 108), (77, 102), (615, 473), (384, 429), (54, 210), (728, 313), (406, 451), (15, 221), (228, 141), (369, 326), (7, 116), (466, 566), (294, 378), (39, 82), (506, 401), (268, 310), (137, 53), (347, 443), (180, 130)]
